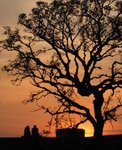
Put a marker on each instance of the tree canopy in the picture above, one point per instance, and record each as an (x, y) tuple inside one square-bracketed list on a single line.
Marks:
[(71, 49)]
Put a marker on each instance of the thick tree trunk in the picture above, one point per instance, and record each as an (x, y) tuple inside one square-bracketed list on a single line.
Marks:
[(98, 130), (98, 133), (98, 127)]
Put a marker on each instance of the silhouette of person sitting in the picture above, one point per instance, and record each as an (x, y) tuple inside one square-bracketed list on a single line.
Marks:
[(27, 132), (35, 131)]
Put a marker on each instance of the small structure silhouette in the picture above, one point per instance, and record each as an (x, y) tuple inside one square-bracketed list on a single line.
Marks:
[(35, 132), (27, 132), (70, 133)]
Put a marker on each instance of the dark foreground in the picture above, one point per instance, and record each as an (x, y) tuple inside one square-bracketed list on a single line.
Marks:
[(106, 143)]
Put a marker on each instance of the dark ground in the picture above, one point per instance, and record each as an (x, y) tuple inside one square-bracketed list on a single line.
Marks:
[(113, 142)]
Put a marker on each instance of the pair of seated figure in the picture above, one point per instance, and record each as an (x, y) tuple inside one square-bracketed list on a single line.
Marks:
[(34, 132)]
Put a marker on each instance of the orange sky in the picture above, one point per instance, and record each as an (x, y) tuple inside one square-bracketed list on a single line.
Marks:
[(14, 115)]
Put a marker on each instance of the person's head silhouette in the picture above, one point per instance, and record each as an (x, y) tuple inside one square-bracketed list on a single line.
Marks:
[(35, 131), (27, 132)]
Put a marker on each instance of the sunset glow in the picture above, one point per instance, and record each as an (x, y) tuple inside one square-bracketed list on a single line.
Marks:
[(14, 114)]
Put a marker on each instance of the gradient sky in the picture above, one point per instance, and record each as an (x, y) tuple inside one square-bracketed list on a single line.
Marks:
[(14, 115)]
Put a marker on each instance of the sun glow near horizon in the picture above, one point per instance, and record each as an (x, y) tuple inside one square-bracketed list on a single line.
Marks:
[(88, 129)]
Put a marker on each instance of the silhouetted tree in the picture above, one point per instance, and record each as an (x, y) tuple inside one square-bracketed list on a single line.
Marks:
[(70, 50)]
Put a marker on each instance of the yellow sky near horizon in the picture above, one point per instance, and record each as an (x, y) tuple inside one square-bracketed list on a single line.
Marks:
[(14, 115)]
